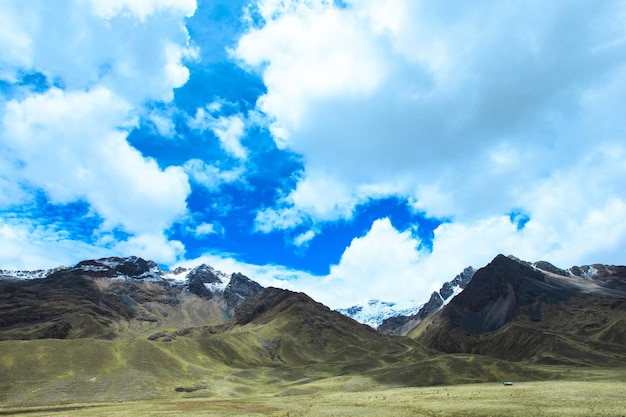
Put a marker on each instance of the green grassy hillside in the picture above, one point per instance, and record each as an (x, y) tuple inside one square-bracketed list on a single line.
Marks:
[(79, 339), (597, 393), (279, 342)]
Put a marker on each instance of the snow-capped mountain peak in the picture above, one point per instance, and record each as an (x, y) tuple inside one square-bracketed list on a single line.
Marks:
[(374, 312), (25, 274), (131, 267)]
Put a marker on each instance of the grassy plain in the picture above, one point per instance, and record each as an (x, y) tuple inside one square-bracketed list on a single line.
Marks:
[(590, 392)]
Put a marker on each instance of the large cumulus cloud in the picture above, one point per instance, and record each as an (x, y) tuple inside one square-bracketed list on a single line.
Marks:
[(470, 112), (99, 64)]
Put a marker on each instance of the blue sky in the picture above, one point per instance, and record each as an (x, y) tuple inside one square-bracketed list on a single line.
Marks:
[(352, 150)]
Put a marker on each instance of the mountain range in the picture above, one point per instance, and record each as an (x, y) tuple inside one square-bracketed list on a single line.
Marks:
[(82, 333), (388, 318), (537, 312)]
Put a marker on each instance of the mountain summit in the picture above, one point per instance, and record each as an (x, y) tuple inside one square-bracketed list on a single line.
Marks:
[(94, 297), (516, 311), (401, 324)]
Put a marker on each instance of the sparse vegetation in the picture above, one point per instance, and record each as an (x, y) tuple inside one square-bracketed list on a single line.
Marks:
[(280, 353), (589, 393)]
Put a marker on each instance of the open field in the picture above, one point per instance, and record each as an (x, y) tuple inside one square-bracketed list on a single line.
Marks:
[(593, 393)]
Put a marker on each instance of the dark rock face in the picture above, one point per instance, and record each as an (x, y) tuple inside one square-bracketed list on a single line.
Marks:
[(609, 276), (547, 266), (58, 330), (134, 267), (581, 271), (392, 324), (516, 311), (199, 276), (93, 297), (446, 290), (494, 295), (239, 289), (203, 273), (463, 278), (57, 307), (262, 303), (131, 267), (132, 294), (396, 325), (434, 303)]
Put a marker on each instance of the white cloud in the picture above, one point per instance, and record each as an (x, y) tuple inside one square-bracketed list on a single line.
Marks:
[(228, 129), (11, 191), (269, 219), (69, 146), (308, 201), (303, 239), (384, 263), (209, 176), (320, 197), (153, 246), (390, 264), (141, 8), (378, 265), (312, 53), (162, 122), (578, 212), (15, 45), (205, 229), (412, 121), (26, 245), (106, 61), (468, 112), (133, 48)]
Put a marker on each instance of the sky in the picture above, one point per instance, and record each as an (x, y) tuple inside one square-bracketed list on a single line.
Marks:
[(350, 149)]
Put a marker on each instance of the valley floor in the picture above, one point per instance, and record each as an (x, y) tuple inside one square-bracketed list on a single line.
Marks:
[(601, 393)]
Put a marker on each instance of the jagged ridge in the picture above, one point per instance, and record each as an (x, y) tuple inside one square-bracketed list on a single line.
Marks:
[(402, 324), (94, 297), (517, 311)]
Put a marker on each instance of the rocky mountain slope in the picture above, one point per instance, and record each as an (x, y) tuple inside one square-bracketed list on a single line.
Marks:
[(402, 324), (82, 333), (109, 297), (519, 311)]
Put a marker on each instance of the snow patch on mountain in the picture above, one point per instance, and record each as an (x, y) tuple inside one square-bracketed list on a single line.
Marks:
[(178, 274), (24, 274), (394, 318), (218, 286), (129, 268), (374, 312), (457, 291)]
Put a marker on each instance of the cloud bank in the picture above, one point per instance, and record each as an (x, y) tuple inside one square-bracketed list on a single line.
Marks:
[(501, 123), (501, 120), (98, 65), (469, 111)]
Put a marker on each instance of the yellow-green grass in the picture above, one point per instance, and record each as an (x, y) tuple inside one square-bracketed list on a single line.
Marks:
[(597, 392), (49, 371)]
